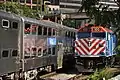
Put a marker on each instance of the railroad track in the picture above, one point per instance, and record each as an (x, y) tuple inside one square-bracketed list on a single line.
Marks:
[(63, 76)]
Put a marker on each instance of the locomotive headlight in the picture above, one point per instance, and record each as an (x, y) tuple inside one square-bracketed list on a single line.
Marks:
[(100, 45), (89, 43)]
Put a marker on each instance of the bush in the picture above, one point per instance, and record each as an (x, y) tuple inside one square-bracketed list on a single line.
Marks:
[(105, 73)]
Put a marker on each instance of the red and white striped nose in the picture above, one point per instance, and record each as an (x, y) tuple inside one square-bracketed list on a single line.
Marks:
[(90, 46)]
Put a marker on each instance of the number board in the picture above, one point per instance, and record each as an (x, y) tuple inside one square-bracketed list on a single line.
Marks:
[(96, 29)]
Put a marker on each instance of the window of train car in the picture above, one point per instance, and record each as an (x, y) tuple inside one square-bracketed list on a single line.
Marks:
[(5, 23), (40, 30), (71, 35), (27, 54), (34, 52), (68, 34), (44, 52), (27, 28), (74, 35), (39, 52), (15, 25), (65, 49), (5, 53), (34, 29), (49, 51), (49, 31), (53, 50), (54, 32), (45, 31), (14, 53)]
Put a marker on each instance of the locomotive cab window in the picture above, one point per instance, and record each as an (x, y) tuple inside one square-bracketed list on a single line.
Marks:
[(98, 35), (14, 25), (14, 53), (5, 23), (5, 53), (84, 34), (27, 29)]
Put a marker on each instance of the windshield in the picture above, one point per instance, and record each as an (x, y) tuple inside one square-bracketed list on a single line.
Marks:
[(98, 35), (83, 35)]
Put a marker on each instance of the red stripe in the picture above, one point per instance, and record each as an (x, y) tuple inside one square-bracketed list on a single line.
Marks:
[(95, 44), (83, 50), (84, 45), (81, 47), (86, 41), (78, 50), (97, 49)]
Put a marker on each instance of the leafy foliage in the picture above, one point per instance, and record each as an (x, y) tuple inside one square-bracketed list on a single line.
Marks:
[(105, 73), (101, 13), (23, 10)]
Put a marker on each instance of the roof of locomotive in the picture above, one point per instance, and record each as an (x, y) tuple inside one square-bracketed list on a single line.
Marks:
[(94, 28)]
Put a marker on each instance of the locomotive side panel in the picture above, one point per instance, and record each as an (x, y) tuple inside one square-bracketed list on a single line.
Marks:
[(9, 29)]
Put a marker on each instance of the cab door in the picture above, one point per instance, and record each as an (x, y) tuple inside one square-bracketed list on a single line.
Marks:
[(60, 56)]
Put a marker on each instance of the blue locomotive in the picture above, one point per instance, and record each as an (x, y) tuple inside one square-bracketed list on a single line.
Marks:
[(94, 45)]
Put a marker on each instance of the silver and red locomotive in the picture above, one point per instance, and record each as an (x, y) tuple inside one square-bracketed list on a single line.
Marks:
[(94, 45)]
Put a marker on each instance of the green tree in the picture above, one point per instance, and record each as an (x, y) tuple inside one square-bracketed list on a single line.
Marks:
[(22, 10), (103, 15)]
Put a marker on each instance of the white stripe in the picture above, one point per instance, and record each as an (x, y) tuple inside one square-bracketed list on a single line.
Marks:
[(96, 47), (98, 51), (94, 43), (91, 39), (86, 45), (82, 47), (84, 42)]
